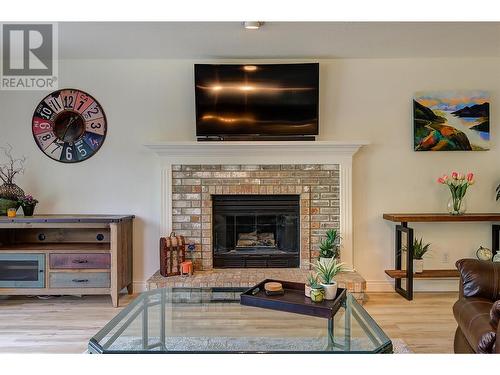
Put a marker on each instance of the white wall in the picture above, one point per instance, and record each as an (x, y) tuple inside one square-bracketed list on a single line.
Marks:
[(362, 99)]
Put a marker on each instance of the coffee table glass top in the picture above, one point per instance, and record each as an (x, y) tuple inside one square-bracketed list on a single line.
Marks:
[(211, 320)]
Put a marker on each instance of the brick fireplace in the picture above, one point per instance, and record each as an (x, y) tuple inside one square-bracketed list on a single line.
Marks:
[(319, 173), (194, 187)]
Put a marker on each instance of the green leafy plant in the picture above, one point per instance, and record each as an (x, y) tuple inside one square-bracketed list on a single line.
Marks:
[(312, 281), (329, 247), (328, 270), (419, 248)]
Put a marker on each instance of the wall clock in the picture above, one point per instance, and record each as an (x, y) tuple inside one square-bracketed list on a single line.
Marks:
[(69, 126)]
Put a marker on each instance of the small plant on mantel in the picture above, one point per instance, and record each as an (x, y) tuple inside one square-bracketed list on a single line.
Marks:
[(329, 247)]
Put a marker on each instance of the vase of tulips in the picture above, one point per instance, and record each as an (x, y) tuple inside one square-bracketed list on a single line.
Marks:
[(458, 184)]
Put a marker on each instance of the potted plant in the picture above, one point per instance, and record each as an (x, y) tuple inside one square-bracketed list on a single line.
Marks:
[(326, 273), (28, 203), (312, 283), (9, 191), (329, 247), (419, 250), (317, 294)]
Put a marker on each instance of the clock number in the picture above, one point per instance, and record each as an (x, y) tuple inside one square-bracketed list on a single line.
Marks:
[(96, 126), (68, 101), (44, 112), (45, 139), (92, 112), (93, 140), (81, 150), (44, 125), (55, 103), (41, 125), (54, 151)]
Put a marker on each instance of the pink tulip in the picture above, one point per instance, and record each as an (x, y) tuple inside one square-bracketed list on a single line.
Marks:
[(441, 180), (470, 176), (454, 175)]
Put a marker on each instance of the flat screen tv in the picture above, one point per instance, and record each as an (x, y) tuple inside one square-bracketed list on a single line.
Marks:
[(256, 101)]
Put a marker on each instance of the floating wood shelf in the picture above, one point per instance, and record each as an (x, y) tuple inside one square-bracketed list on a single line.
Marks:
[(427, 274), (426, 218)]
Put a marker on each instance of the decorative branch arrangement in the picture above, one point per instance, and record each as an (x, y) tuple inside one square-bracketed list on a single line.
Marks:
[(12, 167)]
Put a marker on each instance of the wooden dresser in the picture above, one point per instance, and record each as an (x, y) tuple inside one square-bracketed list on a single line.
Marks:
[(66, 254)]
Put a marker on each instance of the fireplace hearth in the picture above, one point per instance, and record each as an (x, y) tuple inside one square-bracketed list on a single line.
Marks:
[(256, 231)]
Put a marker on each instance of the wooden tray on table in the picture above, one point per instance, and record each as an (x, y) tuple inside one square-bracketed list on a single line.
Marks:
[(293, 300)]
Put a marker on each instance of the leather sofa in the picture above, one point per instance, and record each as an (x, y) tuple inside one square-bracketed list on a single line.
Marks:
[(477, 310)]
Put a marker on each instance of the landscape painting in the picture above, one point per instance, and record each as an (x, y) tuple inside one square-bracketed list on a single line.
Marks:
[(451, 121)]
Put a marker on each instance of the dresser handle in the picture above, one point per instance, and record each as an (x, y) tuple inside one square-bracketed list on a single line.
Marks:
[(80, 280), (80, 261)]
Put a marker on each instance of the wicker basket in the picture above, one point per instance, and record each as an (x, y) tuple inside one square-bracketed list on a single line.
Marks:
[(5, 204)]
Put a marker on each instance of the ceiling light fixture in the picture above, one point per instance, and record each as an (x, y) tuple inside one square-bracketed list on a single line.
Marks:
[(252, 25)]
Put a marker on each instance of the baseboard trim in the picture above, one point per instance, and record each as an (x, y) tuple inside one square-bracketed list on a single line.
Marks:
[(379, 286), (139, 286), (444, 285)]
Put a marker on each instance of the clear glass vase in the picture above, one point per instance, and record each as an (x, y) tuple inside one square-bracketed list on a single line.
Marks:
[(457, 206)]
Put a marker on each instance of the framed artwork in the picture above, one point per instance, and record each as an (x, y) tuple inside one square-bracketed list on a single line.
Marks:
[(451, 121)]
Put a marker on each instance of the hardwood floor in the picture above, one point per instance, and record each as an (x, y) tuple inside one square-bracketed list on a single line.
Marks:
[(426, 324), (65, 324)]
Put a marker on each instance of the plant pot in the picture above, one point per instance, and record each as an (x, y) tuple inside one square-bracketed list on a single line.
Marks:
[(5, 204), (307, 291), (11, 191), (330, 291), (28, 210), (418, 265), (317, 295)]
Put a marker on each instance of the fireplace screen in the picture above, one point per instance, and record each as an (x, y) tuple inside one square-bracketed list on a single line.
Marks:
[(256, 230)]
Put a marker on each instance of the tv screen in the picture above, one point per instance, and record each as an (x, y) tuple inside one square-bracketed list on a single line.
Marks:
[(257, 99)]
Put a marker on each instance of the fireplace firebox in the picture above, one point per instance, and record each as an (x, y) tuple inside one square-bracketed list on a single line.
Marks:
[(256, 231)]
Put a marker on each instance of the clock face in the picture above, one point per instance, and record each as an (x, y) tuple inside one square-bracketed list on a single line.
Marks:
[(69, 126)]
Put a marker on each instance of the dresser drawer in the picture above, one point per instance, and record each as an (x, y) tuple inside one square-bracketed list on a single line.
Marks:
[(79, 280), (80, 260)]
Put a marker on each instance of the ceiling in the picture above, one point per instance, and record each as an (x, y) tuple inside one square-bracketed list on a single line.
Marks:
[(229, 40)]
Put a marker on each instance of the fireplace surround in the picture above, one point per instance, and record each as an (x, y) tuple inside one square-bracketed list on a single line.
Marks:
[(270, 157)]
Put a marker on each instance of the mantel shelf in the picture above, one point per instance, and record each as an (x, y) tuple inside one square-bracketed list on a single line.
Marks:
[(250, 147), (430, 217)]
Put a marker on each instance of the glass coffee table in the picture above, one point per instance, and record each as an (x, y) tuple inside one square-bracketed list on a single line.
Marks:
[(211, 320)]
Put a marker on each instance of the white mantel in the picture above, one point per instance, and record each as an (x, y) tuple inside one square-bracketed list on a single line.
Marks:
[(262, 152)]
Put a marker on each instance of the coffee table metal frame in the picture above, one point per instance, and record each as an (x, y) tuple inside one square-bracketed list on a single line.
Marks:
[(144, 302)]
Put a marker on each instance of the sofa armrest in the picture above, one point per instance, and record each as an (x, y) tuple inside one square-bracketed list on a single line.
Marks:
[(495, 320), (479, 278), (497, 344)]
